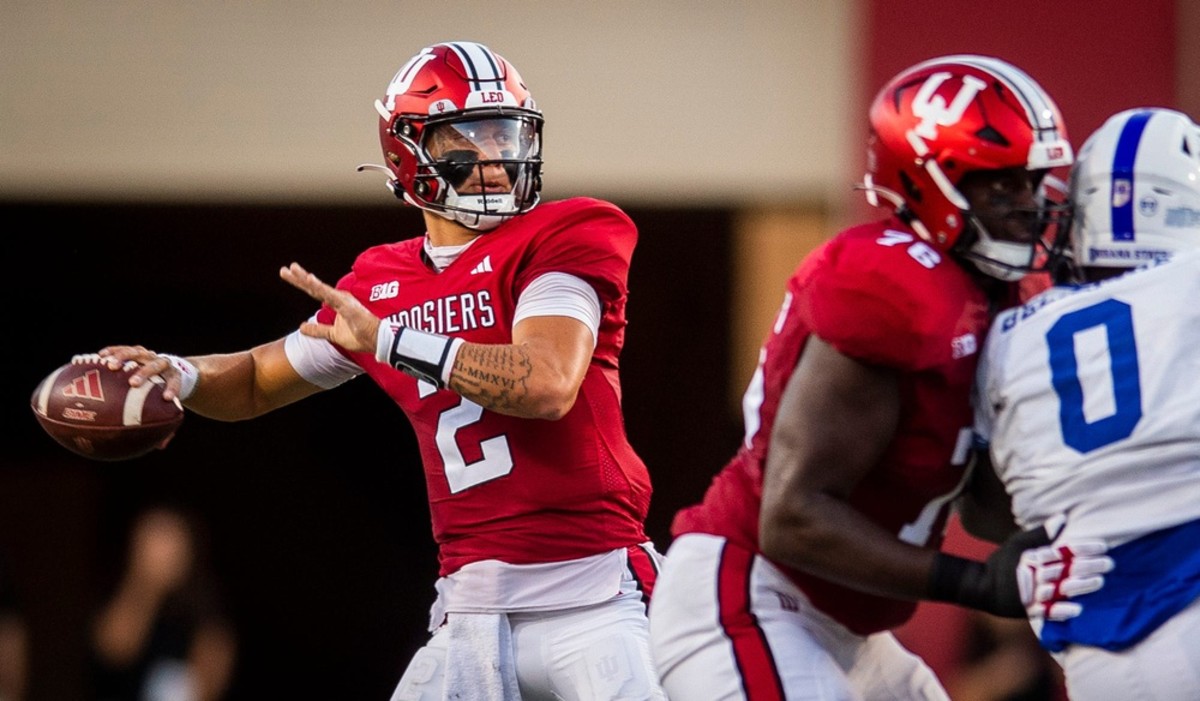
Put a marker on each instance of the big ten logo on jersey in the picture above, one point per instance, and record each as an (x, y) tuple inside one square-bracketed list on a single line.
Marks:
[(920, 251), (385, 290), (454, 313)]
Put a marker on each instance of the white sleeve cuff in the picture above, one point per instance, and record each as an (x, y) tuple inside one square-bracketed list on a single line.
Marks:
[(384, 339)]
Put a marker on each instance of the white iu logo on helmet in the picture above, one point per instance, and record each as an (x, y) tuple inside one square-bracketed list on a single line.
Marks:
[(932, 108), (404, 77)]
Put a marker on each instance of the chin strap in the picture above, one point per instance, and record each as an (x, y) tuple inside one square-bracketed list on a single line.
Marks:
[(874, 192), (899, 206), (391, 179)]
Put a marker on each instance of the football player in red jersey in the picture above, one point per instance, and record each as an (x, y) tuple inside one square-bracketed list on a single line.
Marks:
[(822, 532), (498, 334)]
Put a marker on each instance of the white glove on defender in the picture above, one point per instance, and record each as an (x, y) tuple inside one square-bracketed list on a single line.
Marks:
[(1050, 576)]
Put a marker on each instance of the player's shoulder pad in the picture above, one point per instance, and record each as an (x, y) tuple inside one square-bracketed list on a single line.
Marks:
[(1010, 318), (588, 238), (584, 222), (584, 207), (365, 268), (880, 293), (881, 259), (382, 254)]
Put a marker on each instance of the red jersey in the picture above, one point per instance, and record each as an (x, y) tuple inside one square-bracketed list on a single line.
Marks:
[(879, 294), (513, 489)]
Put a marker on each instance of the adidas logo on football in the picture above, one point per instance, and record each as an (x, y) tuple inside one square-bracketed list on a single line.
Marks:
[(86, 386), (485, 265)]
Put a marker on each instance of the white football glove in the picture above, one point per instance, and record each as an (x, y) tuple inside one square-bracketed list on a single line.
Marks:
[(1051, 575)]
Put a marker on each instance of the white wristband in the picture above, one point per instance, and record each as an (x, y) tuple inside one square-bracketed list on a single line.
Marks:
[(188, 374), (426, 356)]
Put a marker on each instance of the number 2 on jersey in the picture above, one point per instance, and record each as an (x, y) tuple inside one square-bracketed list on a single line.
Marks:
[(497, 458)]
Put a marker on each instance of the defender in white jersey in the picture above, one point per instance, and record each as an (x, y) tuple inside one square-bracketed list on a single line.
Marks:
[(498, 334), (1089, 401)]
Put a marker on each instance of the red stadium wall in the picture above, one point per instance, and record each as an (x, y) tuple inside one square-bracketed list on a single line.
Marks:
[(1094, 58)]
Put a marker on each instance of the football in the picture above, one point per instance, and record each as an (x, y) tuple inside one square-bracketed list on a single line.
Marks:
[(91, 410)]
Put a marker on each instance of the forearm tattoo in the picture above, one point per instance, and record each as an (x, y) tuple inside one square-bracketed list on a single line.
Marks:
[(495, 377)]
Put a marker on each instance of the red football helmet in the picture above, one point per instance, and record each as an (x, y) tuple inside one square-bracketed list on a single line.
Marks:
[(461, 135), (944, 118)]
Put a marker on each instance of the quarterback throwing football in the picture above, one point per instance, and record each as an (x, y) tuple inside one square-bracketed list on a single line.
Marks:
[(498, 334)]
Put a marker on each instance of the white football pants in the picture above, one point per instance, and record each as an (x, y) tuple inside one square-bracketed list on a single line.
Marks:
[(1163, 667), (590, 653), (762, 640)]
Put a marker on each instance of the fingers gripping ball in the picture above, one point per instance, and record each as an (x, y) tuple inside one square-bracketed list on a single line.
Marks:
[(92, 410)]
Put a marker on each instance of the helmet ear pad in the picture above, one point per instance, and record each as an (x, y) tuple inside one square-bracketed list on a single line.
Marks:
[(912, 193), (404, 129)]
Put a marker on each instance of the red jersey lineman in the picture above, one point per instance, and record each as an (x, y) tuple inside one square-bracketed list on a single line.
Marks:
[(821, 533), (879, 294)]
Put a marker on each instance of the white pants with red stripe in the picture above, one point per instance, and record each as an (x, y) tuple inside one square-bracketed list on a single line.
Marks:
[(757, 638), (598, 652)]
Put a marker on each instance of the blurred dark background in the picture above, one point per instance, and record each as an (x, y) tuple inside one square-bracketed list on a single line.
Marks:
[(316, 514)]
